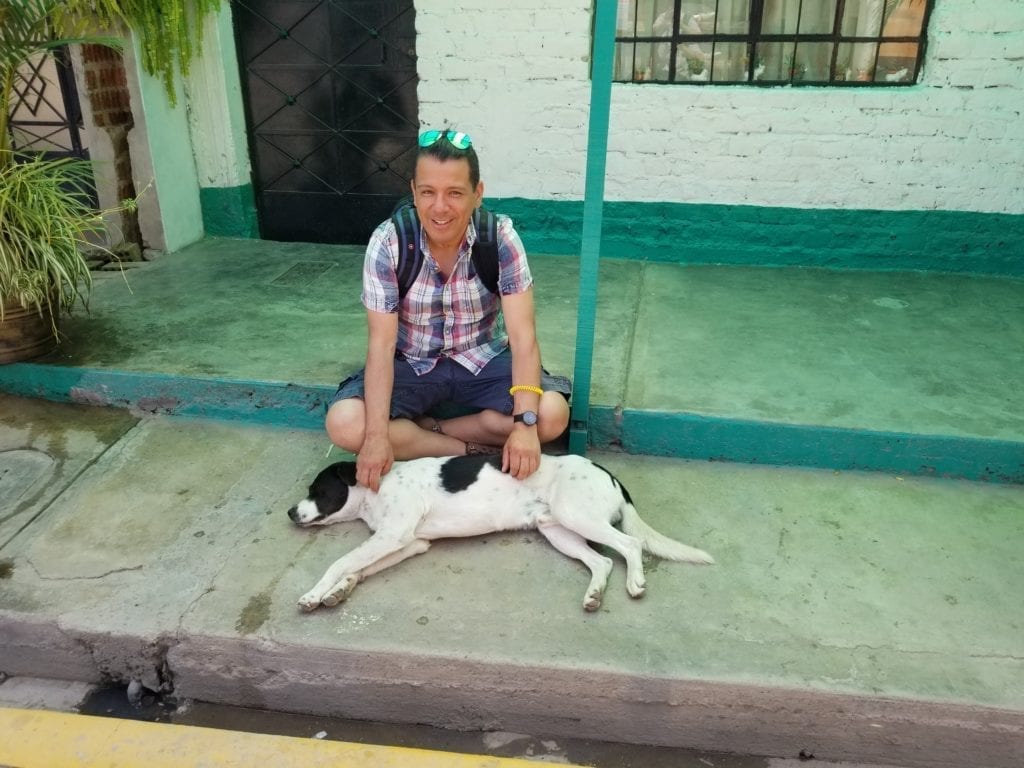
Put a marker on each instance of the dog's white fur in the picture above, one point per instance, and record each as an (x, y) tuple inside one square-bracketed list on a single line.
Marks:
[(569, 499)]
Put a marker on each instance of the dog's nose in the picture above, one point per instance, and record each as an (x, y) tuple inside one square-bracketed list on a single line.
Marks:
[(293, 513)]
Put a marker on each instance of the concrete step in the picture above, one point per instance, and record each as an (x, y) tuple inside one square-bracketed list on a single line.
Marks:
[(856, 616), (678, 434)]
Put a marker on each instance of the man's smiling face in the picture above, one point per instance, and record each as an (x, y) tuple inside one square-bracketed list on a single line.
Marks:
[(445, 200)]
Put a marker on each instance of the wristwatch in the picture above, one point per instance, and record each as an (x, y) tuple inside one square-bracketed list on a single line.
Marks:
[(529, 418)]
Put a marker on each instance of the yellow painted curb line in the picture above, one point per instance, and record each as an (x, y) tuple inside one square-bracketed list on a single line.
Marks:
[(42, 739)]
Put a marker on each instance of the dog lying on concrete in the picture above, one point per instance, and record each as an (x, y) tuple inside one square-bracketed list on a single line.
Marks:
[(569, 499)]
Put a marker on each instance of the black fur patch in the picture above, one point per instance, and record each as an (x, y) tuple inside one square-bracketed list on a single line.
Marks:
[(346, 470), (329, 490), (460, 472), (616, 483)]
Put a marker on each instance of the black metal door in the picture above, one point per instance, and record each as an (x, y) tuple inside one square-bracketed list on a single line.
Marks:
[(330, 91)]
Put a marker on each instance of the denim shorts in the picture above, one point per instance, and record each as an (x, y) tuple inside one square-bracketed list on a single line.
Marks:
[(449, 388)]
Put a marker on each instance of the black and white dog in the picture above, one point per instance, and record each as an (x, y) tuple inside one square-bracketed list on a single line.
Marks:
[(569, 499)]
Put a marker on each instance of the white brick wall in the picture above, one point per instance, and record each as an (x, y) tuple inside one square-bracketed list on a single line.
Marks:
[(516, 77)]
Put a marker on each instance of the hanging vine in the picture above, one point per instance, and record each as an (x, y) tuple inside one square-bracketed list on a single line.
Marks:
[(170, 31)]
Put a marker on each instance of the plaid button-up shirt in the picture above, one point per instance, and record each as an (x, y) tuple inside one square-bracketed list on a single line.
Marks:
[(458, 318)]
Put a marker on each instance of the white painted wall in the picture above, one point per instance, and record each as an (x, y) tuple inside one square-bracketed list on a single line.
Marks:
[(516, 77), (216, 115)]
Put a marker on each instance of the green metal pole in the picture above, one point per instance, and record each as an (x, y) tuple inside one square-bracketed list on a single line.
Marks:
[(593, 211)]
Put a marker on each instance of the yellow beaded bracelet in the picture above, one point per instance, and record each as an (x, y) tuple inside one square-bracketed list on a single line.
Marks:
[(524, 388)]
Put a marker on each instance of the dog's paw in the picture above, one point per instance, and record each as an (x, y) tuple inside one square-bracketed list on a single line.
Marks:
[(309, 602), (636, 587), (593, 600), (340, 591)]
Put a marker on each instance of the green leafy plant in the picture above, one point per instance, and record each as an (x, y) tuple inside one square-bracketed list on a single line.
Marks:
[(45, 210), (170, 31), (46, 216), (46, 219)]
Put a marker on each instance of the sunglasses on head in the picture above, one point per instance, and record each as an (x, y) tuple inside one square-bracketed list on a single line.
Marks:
[(457, 139)]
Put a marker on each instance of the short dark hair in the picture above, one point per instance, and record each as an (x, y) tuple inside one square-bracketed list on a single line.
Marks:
[(443, 150)]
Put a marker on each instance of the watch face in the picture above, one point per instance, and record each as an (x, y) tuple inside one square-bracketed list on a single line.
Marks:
[(529, 418)]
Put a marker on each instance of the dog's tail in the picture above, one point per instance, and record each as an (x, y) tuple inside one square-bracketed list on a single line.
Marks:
[(657, 543)]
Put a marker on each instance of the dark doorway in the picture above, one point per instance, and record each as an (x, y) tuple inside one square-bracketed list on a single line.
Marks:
[(330, 93)]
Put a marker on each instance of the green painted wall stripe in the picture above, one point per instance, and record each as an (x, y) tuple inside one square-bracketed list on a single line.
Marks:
[(950, 241), (690, 436), (254, 402), (229, 211)]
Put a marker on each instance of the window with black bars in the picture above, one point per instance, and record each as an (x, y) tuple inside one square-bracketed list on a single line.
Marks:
[(45, 115), (771, 42)]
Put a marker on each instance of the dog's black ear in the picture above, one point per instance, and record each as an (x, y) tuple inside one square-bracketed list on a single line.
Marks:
[(346, 470)]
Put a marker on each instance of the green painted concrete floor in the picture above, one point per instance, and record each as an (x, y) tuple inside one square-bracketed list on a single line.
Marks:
[(906, 372)]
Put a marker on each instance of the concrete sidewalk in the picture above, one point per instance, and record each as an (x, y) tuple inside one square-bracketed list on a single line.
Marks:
[(856, 616)]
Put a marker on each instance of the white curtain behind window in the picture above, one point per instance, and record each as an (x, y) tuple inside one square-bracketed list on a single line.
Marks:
[(729, 61), (867, 23)]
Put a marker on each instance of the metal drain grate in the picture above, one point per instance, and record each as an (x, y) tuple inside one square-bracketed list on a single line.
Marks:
[(302, 273)]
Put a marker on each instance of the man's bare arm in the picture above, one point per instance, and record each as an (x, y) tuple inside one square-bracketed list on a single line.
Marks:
[(376, 456), (521, 456)]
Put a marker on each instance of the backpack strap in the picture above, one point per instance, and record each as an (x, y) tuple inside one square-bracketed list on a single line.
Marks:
[(407, 227), (485, 248), (410, 257)]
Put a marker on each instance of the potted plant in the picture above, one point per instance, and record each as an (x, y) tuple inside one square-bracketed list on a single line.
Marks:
[(47, 222), (46, 213), (46, 219)]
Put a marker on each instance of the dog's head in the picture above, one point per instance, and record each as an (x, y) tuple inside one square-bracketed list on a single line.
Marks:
[(330, 498)]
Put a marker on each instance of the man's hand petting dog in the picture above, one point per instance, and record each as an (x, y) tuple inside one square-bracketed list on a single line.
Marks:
[(375, 460), (521, 455), (569, 499)]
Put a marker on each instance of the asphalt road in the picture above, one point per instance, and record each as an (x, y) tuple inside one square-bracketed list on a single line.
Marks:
[(115, 702)]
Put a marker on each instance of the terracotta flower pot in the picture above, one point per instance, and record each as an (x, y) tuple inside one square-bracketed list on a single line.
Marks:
[(24, 333)]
